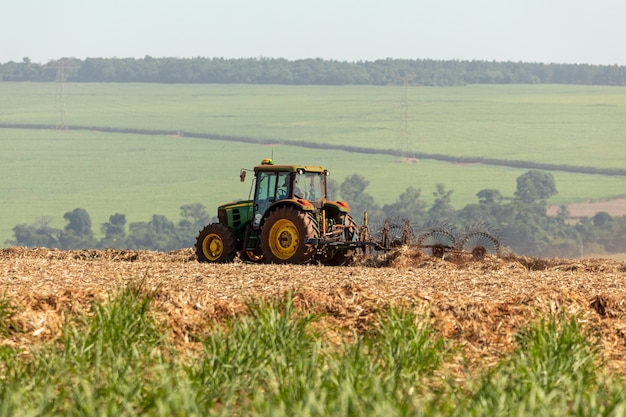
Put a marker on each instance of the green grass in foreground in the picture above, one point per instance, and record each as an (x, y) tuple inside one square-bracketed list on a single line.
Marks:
[(116, 360)]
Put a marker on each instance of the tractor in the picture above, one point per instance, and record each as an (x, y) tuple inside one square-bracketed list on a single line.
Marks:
[(288, 221), (291, 221)]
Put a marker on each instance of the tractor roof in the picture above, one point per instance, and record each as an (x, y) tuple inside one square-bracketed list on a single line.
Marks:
[(267, 165)]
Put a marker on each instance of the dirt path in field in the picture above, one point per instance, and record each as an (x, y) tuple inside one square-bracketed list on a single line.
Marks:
[(477, 306), (615, 207)]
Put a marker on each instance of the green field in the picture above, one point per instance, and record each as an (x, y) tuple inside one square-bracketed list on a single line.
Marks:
[(50, 172)]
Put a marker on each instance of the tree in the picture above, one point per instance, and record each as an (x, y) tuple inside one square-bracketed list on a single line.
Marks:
[(408, 206), (77, 233), (194, 215), (165, 233), (159, 234), (489, 196), (488, 209), (79, 222), (535, 185), (312, 71), (353, 191), (141, 236), (194, 218), (352, 187), (601, 219), (114, 232), (616, 241), (38, 234), (563, 214), (332, 189), (442, 210)]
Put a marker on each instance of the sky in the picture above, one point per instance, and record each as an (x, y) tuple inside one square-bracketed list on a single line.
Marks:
[(549, 31)]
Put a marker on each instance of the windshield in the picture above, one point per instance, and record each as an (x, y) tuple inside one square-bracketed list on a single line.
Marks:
[(310, 186)]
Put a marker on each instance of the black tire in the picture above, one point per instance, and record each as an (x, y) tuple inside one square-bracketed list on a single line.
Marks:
[(216, 243), (283, 235)]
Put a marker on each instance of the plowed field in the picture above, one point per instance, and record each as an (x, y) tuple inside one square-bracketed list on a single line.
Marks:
[(476, 305)]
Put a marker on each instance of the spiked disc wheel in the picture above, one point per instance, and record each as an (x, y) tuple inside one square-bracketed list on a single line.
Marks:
[(437, 242), (479, 244)]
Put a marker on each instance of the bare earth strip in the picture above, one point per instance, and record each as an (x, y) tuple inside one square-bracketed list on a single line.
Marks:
[(477, 306), (615, 207)]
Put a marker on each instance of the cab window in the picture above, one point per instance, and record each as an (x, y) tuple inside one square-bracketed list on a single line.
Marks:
[(283, 190), (266, 186), (310, 185)]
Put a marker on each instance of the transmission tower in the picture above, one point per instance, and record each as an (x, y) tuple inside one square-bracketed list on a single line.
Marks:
[(60, 122), (405, 145)]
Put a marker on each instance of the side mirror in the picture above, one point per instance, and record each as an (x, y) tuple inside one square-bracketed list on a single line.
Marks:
[(242, 175)]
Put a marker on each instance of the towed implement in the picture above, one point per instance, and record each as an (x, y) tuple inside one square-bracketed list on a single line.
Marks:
[(290, 220)]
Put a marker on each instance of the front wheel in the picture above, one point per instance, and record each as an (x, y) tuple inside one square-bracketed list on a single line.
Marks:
[(216, 243), (283, 236)]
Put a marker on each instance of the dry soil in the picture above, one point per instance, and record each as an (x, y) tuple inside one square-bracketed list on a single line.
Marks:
[(476, 305)]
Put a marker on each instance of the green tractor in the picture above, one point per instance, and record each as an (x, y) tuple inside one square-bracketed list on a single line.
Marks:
[(289, 221)]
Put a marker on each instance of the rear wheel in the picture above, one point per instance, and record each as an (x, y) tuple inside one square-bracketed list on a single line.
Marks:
[(283, 236), (216, 243)]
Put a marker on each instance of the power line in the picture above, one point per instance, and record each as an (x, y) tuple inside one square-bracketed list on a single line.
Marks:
[(60, 122), (405, 141)]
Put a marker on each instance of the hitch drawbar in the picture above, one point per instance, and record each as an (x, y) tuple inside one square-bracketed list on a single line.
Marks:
[(343, 244)]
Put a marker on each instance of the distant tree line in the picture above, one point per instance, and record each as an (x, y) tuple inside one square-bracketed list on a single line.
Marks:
[(521, 221), (160, 233), (310, 71)]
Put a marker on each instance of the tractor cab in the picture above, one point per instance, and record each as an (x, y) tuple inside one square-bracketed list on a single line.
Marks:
[(274, 185)]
